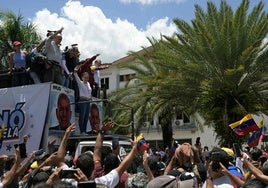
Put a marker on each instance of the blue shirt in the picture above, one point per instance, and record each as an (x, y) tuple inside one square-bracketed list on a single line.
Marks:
[(19, 59)]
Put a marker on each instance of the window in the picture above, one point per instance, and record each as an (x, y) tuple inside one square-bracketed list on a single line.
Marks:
[(105, 83), (126, 77), (183, 116)]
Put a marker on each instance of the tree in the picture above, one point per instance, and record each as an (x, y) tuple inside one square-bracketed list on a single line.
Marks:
[(13, 28), (216, 66)]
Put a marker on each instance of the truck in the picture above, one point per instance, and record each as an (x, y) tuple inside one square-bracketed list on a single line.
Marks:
[(33, 111)]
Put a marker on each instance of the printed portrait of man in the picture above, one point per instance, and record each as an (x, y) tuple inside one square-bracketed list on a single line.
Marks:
[(63, 112)]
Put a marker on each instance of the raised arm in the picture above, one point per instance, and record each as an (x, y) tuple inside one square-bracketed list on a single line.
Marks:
[(255, 171), (172, 163), (11, 174), (89, 61), (25, 165), (62, 148), (128, 159), (99, 141), (146, 166)]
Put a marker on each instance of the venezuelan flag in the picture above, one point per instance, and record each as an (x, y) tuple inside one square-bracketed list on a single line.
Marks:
[(142, 143), (256, 137), (245, 125)]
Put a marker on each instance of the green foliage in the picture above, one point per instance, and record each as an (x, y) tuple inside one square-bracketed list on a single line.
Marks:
[(216, 66), (13, 28)]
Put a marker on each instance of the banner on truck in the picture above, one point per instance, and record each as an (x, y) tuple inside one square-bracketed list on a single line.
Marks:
[(22, 112)]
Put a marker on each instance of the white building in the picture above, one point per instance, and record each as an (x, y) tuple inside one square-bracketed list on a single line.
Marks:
[(184, 129)]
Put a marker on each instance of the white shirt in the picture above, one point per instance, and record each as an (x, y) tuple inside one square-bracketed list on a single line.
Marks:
[(52, 51), (84, 88), (111, 179)]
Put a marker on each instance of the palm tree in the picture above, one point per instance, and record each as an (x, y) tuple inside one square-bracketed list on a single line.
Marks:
[(144, 98), (13, 28), (216, 66)]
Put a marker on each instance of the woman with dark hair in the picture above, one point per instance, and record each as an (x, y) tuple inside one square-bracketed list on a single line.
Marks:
[(84, 99)]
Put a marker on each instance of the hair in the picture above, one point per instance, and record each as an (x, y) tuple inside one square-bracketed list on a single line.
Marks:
[(38, 176), (255, 154), (110, 162), (217, 155), (197, 141), (64, 97), (253, 183), (152, 163), (85, 74), (85, 163)]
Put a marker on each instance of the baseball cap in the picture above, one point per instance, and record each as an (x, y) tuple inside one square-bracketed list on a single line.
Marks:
[(16, 43)]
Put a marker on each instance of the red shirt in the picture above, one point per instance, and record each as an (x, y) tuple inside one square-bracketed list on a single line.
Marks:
[(86, 68)]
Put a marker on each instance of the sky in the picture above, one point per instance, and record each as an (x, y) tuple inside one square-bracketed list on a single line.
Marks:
[(111, 28)]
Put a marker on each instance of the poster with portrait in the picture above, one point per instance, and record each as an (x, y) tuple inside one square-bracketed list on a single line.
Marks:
[(61, 110), (95, 116)]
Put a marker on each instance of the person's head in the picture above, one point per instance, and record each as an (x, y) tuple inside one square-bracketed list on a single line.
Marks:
[(110, 162), (255, 154), (85, 77), (186, 155), (74, 52), (16, 45), (86, 164), (217, 156), (94, 117), (58, 39), (63, 111), (97, 62)]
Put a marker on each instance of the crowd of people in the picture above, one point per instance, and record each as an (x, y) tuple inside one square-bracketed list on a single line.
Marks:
[(48, 63), (182, 165)]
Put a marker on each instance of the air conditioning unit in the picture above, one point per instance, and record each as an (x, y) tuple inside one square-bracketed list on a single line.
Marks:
[(178, 122)]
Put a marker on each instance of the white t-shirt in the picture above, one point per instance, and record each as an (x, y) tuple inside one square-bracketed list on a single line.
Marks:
[(111, 179)]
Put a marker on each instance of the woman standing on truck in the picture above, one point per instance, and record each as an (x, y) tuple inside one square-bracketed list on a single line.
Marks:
[(84, 99), (17, 65)]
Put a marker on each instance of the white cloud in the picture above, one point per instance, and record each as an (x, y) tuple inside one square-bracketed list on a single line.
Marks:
[(149, 2), (95, 33)]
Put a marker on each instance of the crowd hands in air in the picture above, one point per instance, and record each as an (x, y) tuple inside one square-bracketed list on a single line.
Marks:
[(182, 165), (47, 62)]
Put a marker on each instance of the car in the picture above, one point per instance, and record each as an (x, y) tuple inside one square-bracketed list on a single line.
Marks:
[(107, 147)]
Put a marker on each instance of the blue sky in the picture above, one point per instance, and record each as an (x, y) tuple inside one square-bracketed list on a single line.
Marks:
[(108, 27)]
